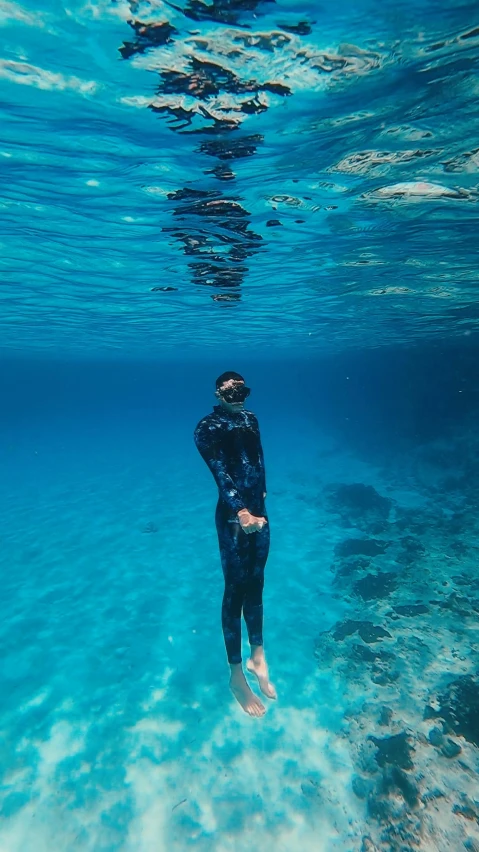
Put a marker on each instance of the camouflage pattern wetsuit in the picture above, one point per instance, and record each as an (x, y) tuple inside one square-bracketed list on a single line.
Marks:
[(230, 444)]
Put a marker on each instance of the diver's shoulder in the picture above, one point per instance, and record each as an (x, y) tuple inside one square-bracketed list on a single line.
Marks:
[(209, 421)]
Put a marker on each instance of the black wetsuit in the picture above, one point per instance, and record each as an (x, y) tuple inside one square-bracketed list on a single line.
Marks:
[(231, 447)]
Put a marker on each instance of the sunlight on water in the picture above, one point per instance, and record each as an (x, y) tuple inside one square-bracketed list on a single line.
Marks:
[(227, 171), (288, 188)]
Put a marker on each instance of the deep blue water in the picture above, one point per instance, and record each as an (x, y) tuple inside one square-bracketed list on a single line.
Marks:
[(287, 189)]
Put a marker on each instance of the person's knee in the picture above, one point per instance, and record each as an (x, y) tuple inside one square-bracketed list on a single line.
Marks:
[(254, 593), (233, 600)]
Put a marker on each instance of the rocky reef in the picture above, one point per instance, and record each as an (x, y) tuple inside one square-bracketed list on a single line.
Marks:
[(405, 656)]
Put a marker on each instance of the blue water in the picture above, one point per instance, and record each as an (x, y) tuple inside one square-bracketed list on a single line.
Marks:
[(288, 190)]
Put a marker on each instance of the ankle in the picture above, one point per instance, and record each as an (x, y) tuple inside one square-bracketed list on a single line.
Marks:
[(257, 653)]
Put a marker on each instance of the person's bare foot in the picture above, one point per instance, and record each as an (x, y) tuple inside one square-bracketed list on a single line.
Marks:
[(257, 666), (243, 694)]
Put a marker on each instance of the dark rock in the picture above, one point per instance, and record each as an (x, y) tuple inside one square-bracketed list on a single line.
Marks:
[(368, 632), (163, 289), (412, 550), (360, 499), (361, 786), (413, 545), (461, 580), (377, 527), (361, 547), (451, 749), (360, 564), (436, 737), (412, 521), (385, 716), (394, 751), (411, 610), (442, 604), (430, 712), (467, 809), (383, 676), (397, 779), (375, 586), (344, 570), (359, 652), (379, 809), (459, 706), (368, 846), (401, 838), (432, 795), (455, 603), (458, 523), (302, 28), (347, 628), (352, 566), (453, 607), (272, 223), (404, 558), (459, 548)]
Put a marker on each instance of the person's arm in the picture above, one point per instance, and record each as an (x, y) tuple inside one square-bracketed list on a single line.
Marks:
[(261, 461), (208, 442), (261, 456)]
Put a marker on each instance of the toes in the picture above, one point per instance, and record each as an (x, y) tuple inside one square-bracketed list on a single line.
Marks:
[(256, 709)]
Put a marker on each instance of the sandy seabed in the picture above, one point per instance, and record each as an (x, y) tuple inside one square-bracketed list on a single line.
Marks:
[(118, 731)]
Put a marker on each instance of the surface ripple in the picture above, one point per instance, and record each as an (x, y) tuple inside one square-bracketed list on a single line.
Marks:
[(242, 173)]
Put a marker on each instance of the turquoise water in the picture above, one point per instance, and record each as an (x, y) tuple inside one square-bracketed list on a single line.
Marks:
[(289, 190)]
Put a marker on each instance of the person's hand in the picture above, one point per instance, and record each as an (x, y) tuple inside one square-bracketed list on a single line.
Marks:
[(250, 523)]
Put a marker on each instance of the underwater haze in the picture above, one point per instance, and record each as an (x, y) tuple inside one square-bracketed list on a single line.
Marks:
[(287, 189)]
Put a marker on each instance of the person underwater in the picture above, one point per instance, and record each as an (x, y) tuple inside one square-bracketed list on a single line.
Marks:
[(229, 441)]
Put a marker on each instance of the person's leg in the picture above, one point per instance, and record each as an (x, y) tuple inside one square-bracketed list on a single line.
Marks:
[(253, 610), (232, 562), (231, 617), (234, 559), (254, 583)]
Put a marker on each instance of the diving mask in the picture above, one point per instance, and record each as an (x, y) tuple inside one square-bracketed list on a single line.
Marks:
[(234, 392)]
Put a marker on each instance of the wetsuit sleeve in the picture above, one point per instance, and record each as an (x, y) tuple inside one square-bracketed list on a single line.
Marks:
[(263, 469), (260, 454), (208, 442)]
